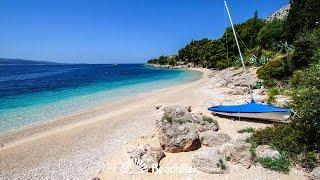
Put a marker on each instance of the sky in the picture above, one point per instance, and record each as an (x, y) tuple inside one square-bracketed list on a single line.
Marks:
[(115, 31)]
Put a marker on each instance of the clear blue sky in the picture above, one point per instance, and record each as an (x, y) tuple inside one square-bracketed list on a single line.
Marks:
[(109, 31)]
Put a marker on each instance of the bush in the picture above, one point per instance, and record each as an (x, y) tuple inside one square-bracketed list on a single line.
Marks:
[(246, 130), (306, 100), (296, 78), (272, 92), (277, 69), (305, 48), (210, 120), (272, 34), (284, 137), (221, 65), (282, 164)]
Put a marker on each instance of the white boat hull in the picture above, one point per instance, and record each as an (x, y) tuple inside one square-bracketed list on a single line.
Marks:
[(272, 116)]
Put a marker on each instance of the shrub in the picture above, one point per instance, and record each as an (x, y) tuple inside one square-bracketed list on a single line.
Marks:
[(305, 48), (296, 78), (167, 117), (271, 34), (210, 120), (282, 164), (284, 137), (276, 69), (272, 92), (221, 65), (246, 130), (306, 100)]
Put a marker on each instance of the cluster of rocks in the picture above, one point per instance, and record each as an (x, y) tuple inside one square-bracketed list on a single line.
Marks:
[(181, 130)]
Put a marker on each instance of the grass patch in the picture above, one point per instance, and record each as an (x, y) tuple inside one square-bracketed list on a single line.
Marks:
[(246, 130), (167, 117), (221, 164), (282, 164), (210, 120)]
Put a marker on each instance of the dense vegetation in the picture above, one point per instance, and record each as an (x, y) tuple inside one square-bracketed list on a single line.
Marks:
[(288, 53)]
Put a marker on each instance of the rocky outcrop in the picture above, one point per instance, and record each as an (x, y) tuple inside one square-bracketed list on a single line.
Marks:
[(265, 151), (315, 174), (213, 139), (210, 161), (176, 130), (148, 155), (280, 14), (238, 153)]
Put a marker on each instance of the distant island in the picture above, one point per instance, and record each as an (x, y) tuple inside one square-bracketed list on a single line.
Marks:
[(5, 61)]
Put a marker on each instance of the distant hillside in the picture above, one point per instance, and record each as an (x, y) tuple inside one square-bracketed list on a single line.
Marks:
[(4, 61), (280, 14)]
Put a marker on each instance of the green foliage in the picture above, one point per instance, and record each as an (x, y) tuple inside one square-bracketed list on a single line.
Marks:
[(277, 69), (220, 53), (210, 120), (284, 137), (272, 34), (167, 117), (306, 100), (246, 130), (282, 164), (303, 16), (306, 47), (253, 147), (296, 78), (221, 164), (272, 92)]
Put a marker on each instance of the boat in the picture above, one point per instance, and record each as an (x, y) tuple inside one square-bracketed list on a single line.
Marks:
[(251, 110)]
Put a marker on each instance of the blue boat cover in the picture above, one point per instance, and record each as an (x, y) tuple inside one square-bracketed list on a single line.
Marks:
[(251, 107)]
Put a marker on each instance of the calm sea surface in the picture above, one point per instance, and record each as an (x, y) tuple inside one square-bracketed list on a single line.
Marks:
[(38, 93)]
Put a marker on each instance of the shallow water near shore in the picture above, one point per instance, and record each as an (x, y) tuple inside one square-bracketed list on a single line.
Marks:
[(32, 93)]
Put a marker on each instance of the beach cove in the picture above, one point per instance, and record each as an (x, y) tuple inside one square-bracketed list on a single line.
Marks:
[(68, 141), (81, 149)]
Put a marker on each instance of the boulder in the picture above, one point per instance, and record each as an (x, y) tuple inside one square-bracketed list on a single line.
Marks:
[(238, 90), (238, 153), (176, 132), (260, 91), (204, 123), (315, 174), (265, 151), (213, 139), (151, 156), (210, 161)]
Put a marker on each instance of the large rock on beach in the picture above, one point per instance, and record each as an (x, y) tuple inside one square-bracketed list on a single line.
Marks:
[(213, 139), (176, 130), (148, 155), (315, 174), (238, 153), (210, 161), (265, 151)]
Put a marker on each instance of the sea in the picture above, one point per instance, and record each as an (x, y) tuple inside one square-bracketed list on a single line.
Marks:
[(31, 94)]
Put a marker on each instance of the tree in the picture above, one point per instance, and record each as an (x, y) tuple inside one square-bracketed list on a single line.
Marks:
[(272, 34), (303, 16)]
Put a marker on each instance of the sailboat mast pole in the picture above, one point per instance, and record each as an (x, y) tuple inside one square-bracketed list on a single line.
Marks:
[(236, 38)]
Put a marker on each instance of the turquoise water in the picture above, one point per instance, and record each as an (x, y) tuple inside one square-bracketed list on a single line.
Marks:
[(34, 94)]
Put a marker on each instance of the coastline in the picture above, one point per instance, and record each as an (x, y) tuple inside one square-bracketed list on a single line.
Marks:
[(77, 116), (26, 142)]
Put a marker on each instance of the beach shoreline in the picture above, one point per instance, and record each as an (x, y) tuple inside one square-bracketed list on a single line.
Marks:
[(8, 138), (26, 142)]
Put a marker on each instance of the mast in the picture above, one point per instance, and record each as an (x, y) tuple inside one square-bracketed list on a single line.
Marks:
[(241, 57)]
